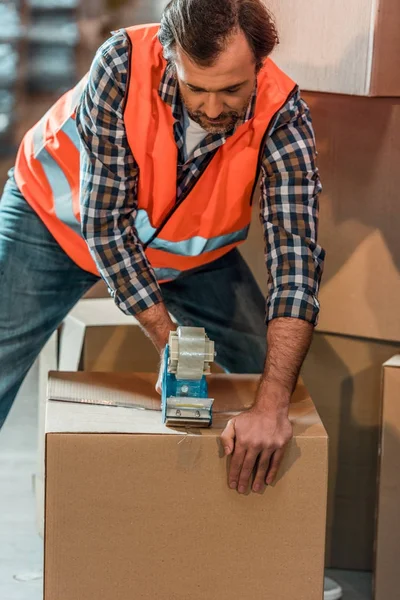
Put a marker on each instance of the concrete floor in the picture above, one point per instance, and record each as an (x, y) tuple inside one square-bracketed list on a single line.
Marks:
[(21, 549)]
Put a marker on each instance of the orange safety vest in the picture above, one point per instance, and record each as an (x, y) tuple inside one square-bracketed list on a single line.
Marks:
[(213, 218)]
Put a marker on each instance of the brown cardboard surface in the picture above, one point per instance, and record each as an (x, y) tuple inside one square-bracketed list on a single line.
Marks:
[(344, 378), (73, 398), (385, 80), (387, 580), (121, 349), (99, 290), (118, 348), (139, 513), (359, 153)]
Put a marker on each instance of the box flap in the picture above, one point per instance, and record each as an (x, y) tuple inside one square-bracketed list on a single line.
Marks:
[(74, 404), (393, 362)]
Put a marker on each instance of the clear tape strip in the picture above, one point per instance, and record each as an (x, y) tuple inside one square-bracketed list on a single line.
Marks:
[(192, 349)]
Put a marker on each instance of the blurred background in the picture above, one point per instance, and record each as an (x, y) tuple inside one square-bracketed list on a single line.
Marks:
[(45, 47)]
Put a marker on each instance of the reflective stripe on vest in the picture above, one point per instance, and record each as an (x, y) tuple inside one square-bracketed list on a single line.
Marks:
[(59, 183), (192, 247), (166, 274)]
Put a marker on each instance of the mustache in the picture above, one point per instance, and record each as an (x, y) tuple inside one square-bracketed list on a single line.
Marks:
[(222, 116)]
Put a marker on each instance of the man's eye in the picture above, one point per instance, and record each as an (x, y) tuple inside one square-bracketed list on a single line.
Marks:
[(232, 91)]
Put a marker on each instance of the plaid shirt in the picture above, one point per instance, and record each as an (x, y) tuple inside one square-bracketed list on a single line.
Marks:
[(290, 187)]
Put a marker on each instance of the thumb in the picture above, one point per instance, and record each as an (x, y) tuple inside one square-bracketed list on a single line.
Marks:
[(160, 375), (228, 437), (159, 383)]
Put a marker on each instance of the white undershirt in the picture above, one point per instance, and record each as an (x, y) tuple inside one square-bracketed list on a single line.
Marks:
[(194, 135)]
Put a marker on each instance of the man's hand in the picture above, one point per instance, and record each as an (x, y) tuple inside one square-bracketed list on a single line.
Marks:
[(256, 438), (157, 325)]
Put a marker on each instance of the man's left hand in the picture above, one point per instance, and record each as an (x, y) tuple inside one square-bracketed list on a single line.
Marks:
[(256, 438)]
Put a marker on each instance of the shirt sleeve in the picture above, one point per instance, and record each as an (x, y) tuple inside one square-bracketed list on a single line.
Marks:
[(109, 178), (290, 188)]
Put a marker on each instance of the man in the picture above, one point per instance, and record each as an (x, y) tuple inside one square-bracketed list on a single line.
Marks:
[(175, 123), (144, 175)]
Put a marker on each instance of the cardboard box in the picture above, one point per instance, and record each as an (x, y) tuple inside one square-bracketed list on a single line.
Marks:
[(344, 379), (359, 152), (346, 46), (118, 348), (134, 509), (387, 581), (99, 290), (121, 349), (97, 336)]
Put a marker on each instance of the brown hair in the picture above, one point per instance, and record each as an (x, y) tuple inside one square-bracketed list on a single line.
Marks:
[(202, 28)]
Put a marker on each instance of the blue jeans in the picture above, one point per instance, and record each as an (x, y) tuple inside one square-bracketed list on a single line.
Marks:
[(40, 284)]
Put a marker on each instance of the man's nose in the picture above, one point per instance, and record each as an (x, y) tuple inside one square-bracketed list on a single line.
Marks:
[(213, 106)]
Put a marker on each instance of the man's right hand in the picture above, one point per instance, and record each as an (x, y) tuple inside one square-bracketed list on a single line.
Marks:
[(157, 324)]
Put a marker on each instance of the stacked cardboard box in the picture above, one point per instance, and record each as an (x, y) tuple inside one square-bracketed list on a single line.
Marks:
[(346, 46), (388, 524)]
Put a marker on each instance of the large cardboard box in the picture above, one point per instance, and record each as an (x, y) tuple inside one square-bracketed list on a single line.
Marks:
[(344, 378), (359, 153), (387, 579), (346, 46), (137, 510)]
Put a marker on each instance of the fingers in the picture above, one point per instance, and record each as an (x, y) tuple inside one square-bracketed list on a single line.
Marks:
[(158, 385), (262, 470), (228, 437), (160, 376), (235, 470), (275, 463), (255, 436), (247, 470)]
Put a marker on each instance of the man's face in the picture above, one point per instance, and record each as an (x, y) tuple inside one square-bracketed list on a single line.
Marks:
[(217, 96)]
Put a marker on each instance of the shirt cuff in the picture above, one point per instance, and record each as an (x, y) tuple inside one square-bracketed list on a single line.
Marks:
[(296, 302), (136, 296)]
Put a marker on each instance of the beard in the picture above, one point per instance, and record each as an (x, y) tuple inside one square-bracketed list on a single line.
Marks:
[(225, 122)]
